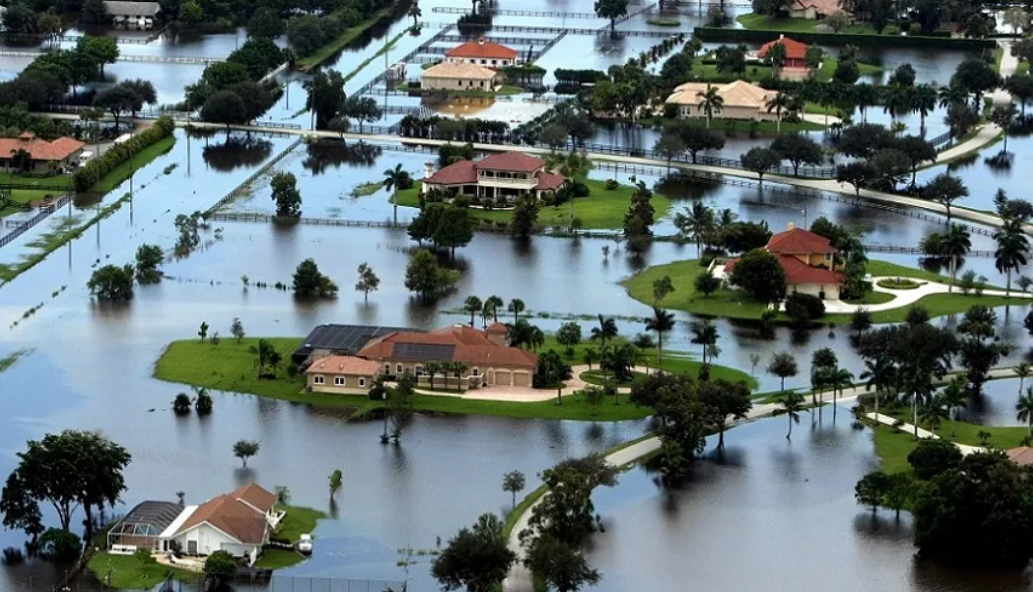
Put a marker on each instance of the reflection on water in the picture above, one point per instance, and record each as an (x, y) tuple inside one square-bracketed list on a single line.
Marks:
[(236, 151)]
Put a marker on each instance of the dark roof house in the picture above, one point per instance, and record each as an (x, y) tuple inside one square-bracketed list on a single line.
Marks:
[(339, 339)]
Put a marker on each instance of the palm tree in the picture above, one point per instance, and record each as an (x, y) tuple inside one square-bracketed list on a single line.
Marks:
[(704, 333), (932, 412), (778, 103), (952, 95), (917, 386), (711, 102), (923, 100), (838, 379), (955, 396), (265, 355), (897, 101), (1025, 409), (697, 221), (955, 243), (865, 95), (1022, 371), (21, 158), (415, 13), (491, 308), (432, 368), (607, 329), (473, 305), (880, 374), (661, 322), (826, 95), (1012, 249), (792, 404), (395, 179), (516, 306)]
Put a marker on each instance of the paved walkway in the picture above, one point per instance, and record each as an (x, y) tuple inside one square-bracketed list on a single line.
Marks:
[(1009, 64), (819, 118), (923, 434), (908, 297)]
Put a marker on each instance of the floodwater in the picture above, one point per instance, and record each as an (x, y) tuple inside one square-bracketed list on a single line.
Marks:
[(91, 364)]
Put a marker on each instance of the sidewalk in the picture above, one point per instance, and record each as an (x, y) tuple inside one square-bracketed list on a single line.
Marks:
[(923, 434), (908, 297)]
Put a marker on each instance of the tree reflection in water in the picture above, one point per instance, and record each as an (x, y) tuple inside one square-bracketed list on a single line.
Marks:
[(334, 153), (236, 151)]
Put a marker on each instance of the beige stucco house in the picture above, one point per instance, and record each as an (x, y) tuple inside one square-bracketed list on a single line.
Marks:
[(742, 100), (345, 375), (808, 260), (459, 76), (482, 53), (504, 176)]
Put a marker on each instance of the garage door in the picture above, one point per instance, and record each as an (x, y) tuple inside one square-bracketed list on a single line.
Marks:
[(503, 378), (521, 379)]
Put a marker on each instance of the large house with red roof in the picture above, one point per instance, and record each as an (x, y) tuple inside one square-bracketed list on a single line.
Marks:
[(808, 262), (27, 153), (465, 358), (499, 178), (794, 67), (482, 53)]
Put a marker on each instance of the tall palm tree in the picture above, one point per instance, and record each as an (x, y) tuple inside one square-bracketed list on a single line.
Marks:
[(491, 307), (1012, 249), (606, 330), (951, 95), (516, 306), (839, 378), (1025, 409), (917, 388), (415, 13), (955, 243), (1022, 371), (432, 368), (395, 179), (711, 102), (865, 96), (697, 222), (661, 322), (792, 405), (473, 305), (704, 333), (923, 100), (955, 396), (932, 412), (880, 374), (778, 103), (826, 95), (897, 101)]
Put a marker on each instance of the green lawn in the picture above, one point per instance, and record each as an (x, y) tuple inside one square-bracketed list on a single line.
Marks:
[(873, 297), (998, 56), (799, 25), (598, 377), (738, 305), (274, 558), (139, 160), (602, 209), (24, 196), (829, 65), (60, 182), (384, 49), (1023, 68), (298, 521), (324, 53), (129, 573)]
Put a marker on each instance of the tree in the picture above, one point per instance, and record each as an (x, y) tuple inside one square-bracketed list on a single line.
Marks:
[(760, 275), (101, 50), (661, 322), (881, 374), (1012, 249), (516, 306), (858, 174), (917, 151), (791, 405), (116, 100), (513, 482), (425, 277), (477, 559), (639, 217), (93, 12), (60, 546), (798, 150), (760, 161), (223, 106), (923, 100), (336, 482), (567, 514), (181, 404), (362, 110), (699, 139), (706, 284), (783, 365), (871, 490), (1024, 409), (777, 56), (606, 330), (453, 228), (415, 13), (945, 189), (397, 179), (696, 222), (112, 283), (265, 23), (245, 449), (863, 140), (847, 72), (974, 76), (933, 457), (954, 397), (724, 399), (491, 309), (203, 332), (525, 216), (704, 334), (190, 12), (860, 321), (569, 335), (203, 402), (148, 259), (286, 195), (326, 96), (560, 565), (264, 353), (1003, 117), (837, 20), (67, 470), (711, 102), (976, 516), (954, 244), (1022, 372), (611, 9), (220, 565), (368, 281), (1021, 89), (669, 146), (310, 283)]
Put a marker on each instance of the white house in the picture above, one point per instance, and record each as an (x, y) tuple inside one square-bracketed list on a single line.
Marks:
[(239, 523)]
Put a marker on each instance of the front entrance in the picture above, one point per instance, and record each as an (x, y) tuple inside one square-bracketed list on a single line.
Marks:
[(192, 548)]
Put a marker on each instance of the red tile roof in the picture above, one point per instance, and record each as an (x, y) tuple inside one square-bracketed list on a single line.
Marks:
[(344, 365), (798, 272), (497, 328), (235, 514), (797, 241), (59, 149), (1023, 455), (471, 346), (458, 173), (256, 496), (549, 181), (482, 49), (795, 50), (514, 162)]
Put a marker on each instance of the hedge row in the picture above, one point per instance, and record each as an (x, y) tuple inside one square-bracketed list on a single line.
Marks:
[(716, 34), (96, 169)]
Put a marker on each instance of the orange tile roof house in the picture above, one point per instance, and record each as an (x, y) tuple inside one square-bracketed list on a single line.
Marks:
[(239, 522), (498, 178), (486, 358), (341, 374), (59, 156), (796, 55), (482, 53), (807, 260)]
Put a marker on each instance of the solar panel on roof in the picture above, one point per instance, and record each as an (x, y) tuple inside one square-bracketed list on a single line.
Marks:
[(423, 352), (342, 339)]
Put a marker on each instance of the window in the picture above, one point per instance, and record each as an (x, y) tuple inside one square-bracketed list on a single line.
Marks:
[(362, 382), (339, 381), (387, 368), (475, 372), (457, 374), (317, 379), (493, 62), (482, 83), (399, 369)]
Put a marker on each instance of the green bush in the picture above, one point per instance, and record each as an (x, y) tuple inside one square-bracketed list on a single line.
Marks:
[(914, 30), (612, 184), (96, 169)]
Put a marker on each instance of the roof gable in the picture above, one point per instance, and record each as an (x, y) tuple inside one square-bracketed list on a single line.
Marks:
[(796, 50), (482, 49), (462, 172), (462, 70), (516, 162), (797, 241)]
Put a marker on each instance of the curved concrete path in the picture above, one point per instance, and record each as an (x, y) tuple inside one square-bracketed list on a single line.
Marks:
[(923, 434), (909, 297)]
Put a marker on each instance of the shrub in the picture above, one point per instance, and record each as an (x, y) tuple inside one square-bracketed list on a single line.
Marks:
[(914, 30), (808, 303), (612, 184), (97, 168), (144, 556), (59, 545)]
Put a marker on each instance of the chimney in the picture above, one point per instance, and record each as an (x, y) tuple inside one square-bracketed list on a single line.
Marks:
[(790, 226), (428, 169), (480, 41), (781, 36)]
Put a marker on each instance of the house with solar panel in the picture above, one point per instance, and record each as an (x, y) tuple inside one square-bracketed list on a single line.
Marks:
[(463, 358)]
